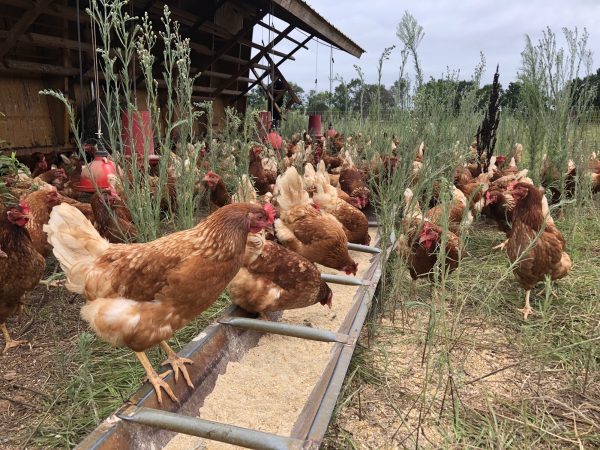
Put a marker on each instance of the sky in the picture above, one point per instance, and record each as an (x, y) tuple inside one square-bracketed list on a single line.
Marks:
[(456, 31)]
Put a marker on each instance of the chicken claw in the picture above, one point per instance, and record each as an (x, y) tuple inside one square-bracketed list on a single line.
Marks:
[(10, 342), (527, 310), (177, 363), (156, 380), (500, 246)]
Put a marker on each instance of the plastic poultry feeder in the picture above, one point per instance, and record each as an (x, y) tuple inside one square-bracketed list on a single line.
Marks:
[(264, 123), (95, 174), (142, 138), (314, 126), (275, 140)]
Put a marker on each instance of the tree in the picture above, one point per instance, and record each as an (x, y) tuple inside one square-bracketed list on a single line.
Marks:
[(299, 93), (317, 102), (257, 99), (511, 98)]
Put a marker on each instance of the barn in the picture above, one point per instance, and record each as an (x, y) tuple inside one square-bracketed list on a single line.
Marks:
[(48, 44)]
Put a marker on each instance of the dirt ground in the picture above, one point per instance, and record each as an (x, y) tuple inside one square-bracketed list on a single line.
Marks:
[(31, 374)]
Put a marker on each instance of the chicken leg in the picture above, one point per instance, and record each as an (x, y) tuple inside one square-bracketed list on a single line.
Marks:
[(527, 309), (10, 342), (177, 363), (155, 379)]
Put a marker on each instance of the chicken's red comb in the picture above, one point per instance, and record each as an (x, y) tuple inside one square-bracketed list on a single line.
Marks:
[(511, 185), (270, 210), (316, 206)]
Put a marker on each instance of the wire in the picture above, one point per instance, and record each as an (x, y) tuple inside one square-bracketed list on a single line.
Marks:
[(80, 70), (96, 80), (316, 63), (330, 77)]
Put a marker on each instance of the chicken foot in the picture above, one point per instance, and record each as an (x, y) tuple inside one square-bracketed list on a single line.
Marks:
[(177, 363), (527, 309), (500, 246), (155, 379), (10, 342)]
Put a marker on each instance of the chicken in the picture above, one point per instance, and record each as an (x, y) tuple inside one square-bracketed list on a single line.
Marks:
[(138, 295), (113, 219), (459, 214), (263, 179), (274, 278), (305, 229), (40, 204), (550, 177), (594, 167), (353, 182), (353, 220), (38, 164), (419, 246), (22, 267), (534, 258), (85, 208), (214, 184), (499, 203)]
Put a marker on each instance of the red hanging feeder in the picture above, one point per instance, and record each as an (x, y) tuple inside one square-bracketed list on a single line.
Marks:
[(275, 139), (314, 126), (265, 121), (143, 138), (95, 174)]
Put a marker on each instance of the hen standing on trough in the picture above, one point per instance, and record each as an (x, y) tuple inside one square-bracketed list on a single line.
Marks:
[(544, 256), (305, 229), (22, 266), (138, 295)]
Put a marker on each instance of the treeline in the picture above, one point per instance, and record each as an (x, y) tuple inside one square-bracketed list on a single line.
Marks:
[(347, 97)]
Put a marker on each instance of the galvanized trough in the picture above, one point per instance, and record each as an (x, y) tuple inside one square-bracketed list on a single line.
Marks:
[(142, 424)]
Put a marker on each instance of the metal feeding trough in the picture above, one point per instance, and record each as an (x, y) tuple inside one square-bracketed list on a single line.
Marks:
[(142, 424)]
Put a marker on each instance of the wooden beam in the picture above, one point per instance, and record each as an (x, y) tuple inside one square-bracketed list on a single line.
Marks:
[(316, 24), (12, 65), (23, 25), (45, 41), (275, 30), (298, 47), (267, 92), (279, 75), (224, 76), (256, 58), (205, 16), (235, 39)]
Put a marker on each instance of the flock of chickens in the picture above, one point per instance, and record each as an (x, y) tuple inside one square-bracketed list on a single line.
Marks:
[(261, 243)]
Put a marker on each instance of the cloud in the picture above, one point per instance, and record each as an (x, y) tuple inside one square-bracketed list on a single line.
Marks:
[(455, 34)]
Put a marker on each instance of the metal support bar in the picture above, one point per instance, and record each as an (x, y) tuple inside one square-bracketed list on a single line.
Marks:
[(373, 223), (363, 248), (286, 329), (208, 429), (343, 279)]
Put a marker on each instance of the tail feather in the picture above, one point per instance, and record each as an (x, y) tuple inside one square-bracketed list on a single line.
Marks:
[(76, 244), (291, 190)]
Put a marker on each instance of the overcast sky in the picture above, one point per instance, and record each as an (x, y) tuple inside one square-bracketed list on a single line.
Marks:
[(455, 33)]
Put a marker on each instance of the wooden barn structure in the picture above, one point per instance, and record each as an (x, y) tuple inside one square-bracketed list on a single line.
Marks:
[(41, 42)]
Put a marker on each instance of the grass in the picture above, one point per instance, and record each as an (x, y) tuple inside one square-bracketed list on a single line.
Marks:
[(99, 379), (469, 372)]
